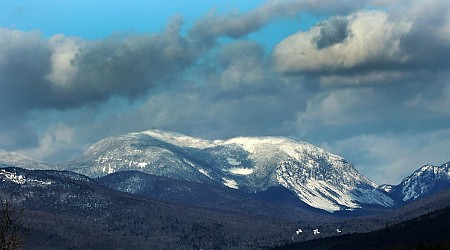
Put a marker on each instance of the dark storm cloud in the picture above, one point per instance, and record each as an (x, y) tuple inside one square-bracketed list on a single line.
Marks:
[(24, 61), (127, 66), (66, 72)]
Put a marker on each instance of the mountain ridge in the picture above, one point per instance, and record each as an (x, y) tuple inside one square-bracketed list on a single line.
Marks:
[(65, 209), (251, 164), (319, 178), (426, 180), (20, 160)]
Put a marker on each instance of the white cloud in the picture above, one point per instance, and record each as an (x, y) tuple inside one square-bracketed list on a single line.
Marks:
[(371, 38), (64, 51)]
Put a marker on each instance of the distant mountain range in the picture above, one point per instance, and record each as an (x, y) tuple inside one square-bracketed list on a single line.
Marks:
[(165, 190), (22, 161), (317, 178)]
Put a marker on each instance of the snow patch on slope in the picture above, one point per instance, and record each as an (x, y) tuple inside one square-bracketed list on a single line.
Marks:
[(233, 162), (204, 172), (324, 187), (178, 139), (230, 183), (386, 188), (142, 164), (253, 144), (20, 179), (241, 171)]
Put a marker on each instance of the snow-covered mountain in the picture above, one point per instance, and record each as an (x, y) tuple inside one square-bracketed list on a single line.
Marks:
[(251, 164), (423, 182), (22, 161)]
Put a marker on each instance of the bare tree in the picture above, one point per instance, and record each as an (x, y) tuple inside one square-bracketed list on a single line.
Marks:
[(12, 228)]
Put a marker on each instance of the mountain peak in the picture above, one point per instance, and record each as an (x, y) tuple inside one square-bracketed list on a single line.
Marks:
[(250, 164), (424, 181)]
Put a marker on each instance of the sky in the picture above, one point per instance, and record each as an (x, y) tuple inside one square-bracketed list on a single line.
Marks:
[(365, 79)]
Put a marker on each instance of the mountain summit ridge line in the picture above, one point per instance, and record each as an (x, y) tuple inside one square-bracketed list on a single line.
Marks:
[(320, 179)]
